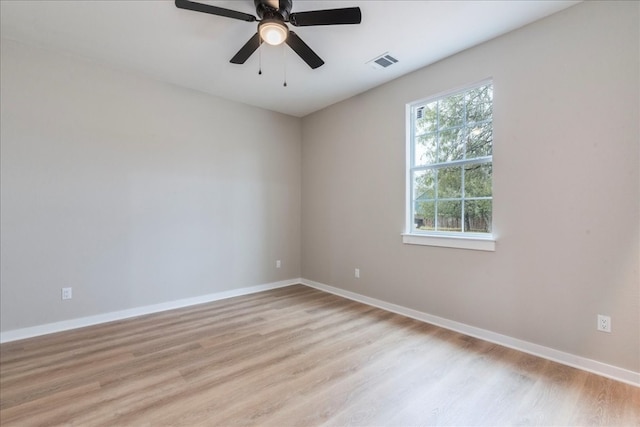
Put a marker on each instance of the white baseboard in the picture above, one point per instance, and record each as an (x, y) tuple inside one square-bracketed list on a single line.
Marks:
[(603, 369), (599, 368), (65, 325)]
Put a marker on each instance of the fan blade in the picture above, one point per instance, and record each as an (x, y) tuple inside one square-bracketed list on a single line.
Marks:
[(247, 50), (349, 15), (214, 10), (304, 51)]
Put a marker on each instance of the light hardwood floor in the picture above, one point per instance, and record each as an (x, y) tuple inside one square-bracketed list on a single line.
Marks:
[(293, 357)]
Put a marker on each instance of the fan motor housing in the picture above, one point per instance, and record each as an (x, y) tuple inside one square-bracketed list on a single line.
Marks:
[(265, 10)]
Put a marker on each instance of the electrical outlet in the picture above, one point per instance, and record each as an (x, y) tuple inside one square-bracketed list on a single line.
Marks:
[(278, 263), (357, 273), (67, 293), (604, 323)]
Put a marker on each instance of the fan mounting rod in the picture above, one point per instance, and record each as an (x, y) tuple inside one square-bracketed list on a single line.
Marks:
[(266, 10)]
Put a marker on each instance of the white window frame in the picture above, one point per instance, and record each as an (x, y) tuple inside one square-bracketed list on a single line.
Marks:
[(460, 240)]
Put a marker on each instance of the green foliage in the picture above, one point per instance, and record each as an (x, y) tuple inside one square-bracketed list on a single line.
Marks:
[(477, 216), (477, 180), (455, 128)]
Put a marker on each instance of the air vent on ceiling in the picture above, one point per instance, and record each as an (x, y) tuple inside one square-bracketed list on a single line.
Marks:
[(383, 61)]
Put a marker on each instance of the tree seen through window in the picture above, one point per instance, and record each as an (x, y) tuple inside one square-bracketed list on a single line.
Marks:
[(451, 166)]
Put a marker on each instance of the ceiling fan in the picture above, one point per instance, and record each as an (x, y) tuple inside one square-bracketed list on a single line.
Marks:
[(272, 25)]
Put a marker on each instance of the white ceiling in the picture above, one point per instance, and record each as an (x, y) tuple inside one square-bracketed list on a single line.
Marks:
[(193, 49)]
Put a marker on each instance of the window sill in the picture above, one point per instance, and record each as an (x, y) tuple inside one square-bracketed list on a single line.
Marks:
[(448, 241)]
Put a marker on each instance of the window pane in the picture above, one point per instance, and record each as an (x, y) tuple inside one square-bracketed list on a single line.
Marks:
[(479, 103), (424, 216), (477, 216), (450, 215), (428, 119), (451, 145), (451, 111), (451, 166), (480, 141), (450, 182), (477, 180), (424, 186), (425, 150)]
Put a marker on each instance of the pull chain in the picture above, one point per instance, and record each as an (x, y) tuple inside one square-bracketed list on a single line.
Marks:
[(284, 61), (260, 57)]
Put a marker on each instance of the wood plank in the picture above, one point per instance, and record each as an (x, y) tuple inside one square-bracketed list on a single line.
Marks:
[(293, 356)]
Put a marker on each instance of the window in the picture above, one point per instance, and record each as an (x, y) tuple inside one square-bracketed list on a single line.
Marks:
[(450, 166)]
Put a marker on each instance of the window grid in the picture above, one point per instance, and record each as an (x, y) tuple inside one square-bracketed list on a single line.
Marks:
[(464, 129)]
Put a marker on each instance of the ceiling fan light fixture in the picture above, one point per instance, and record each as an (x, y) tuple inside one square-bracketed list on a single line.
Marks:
[(272, 17), (273, 32)]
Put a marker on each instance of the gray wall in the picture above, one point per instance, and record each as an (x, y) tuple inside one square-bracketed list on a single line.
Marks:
[(566, 189), (135, 192)]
